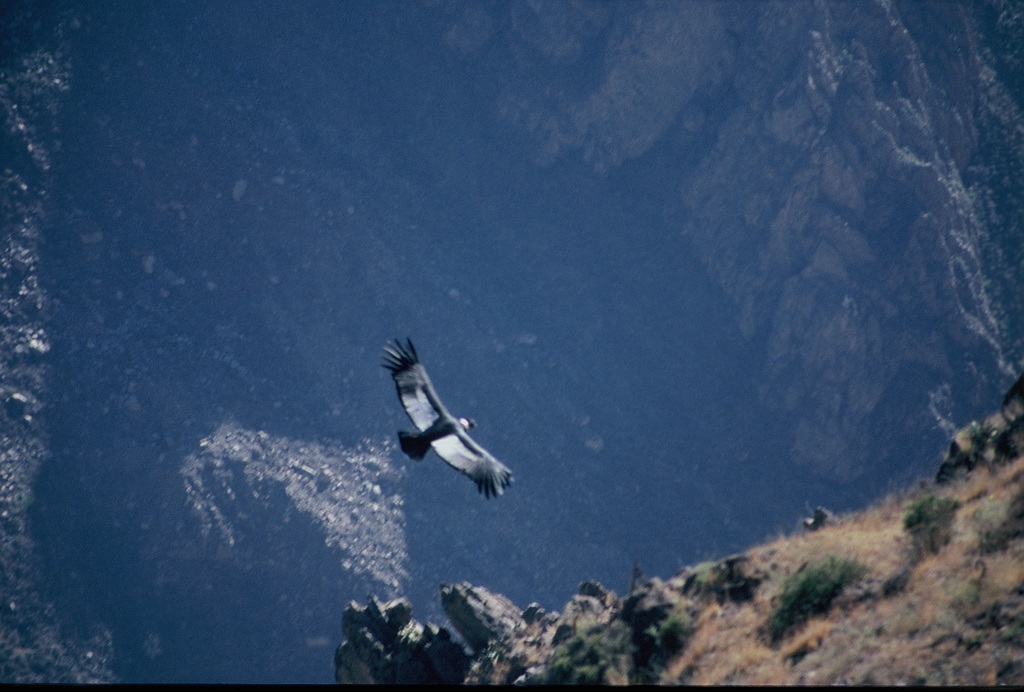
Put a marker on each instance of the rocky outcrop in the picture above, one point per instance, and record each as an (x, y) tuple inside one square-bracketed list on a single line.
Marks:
[(524, 654), (994, 441), (728, 579), (850, 620), (384, 645), (820, 519), (479, 615)]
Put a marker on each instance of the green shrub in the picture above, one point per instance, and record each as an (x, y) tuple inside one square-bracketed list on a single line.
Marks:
[(706, 576), (671, 633), (660, 633), (598, 654), (995, 535), (811, 591), (928, 519), (929, 509)]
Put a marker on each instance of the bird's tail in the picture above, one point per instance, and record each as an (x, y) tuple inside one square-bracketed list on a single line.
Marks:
[(414, 444)]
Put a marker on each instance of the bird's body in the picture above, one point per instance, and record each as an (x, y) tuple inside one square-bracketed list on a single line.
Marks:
[(436, 427)]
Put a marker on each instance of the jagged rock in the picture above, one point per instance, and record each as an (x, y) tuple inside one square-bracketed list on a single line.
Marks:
[(520, 655), (480, 615), (1013, 402), (661, 618), (995, 441), (593, 604), (728, 579), (649, 603), (594, 589), (821, 518), (383, 644), (585, 608), (533, 613), (645, 608), (969, 449)]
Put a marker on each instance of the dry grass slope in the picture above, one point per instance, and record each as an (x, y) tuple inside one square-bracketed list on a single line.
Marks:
[(942, 611)]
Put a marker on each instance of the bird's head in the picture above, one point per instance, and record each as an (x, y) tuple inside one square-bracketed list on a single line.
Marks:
[(467, 423)]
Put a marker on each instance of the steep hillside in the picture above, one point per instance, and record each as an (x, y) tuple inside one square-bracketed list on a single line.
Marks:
[(924, 587)]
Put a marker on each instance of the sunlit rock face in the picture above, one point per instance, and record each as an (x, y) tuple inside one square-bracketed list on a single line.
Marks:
[(35, 644), (339, 489)]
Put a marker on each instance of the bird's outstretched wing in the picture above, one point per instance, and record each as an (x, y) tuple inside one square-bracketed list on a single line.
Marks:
[(414, 388), (463, 453), (425, 409)]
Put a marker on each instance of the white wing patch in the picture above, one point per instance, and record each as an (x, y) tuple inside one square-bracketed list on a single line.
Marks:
[(490, 475), (451, 449), (414, 398)]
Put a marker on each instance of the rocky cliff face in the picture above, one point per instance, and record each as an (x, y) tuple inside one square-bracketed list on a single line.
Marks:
[(927, 587), (844, 194), (33, 647)]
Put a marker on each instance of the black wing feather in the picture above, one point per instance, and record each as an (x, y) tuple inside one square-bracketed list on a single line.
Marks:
[(415, 390)]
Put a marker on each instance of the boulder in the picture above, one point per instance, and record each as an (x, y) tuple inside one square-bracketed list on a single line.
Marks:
[(480, 615), (820, 519), (533, 613), (729, 579)]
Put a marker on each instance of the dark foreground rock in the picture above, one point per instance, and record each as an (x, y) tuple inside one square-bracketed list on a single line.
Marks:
[(383, 644), (622, 636)]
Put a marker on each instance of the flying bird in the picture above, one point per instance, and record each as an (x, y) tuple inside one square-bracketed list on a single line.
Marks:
[(436, 427)]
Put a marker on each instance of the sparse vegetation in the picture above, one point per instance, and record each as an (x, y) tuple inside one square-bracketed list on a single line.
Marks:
[(662, 640), (597, 654), (976, 436), (970, 448), (811, 592), (1010, 525), (991, 441), (495, 662), (670, 634), (705, 576), (856, 602), (929, 510), (928, 520)]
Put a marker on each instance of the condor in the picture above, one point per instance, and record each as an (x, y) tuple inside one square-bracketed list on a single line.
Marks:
[(436, 427)]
